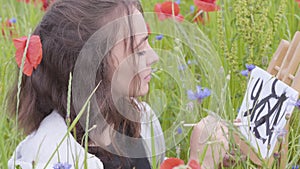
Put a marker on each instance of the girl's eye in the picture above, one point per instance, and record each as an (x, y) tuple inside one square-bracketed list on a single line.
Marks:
[(141, 53)]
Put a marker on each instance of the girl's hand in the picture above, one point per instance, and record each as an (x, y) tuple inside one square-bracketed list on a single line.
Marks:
[(209, 140)]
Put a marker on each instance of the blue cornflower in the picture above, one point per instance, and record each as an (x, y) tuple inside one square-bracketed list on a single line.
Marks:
[(244, 72), (181, 67), (62, 166), (250, 67), (192, 8), (159, 37), (295, 167), (199, 95), (297, 104), (179, 130), (13, 20), (177, 2)]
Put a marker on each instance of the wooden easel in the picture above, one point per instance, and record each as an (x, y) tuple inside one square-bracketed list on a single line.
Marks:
[(284, 66)]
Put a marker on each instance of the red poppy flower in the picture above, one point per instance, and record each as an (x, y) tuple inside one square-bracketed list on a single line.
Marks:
[(298, 1), (33, 55), (180, 18), (46, 3), (207, 5), (170, 163), (166, 9), (194, 164)]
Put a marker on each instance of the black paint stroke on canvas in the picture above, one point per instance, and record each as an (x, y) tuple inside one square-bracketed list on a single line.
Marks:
[(264, 104)]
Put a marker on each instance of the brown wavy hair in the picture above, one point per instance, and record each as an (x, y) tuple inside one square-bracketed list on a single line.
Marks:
[(64, 29)]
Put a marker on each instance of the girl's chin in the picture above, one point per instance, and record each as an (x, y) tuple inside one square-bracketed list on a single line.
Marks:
[(144, 90)]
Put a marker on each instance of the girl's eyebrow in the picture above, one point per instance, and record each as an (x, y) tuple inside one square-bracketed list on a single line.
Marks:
[(144, 39)]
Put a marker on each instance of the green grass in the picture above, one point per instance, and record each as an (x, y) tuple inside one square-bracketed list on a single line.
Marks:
[(217, 49)]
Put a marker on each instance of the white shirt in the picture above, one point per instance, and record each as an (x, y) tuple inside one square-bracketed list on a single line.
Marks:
[(41, 145)]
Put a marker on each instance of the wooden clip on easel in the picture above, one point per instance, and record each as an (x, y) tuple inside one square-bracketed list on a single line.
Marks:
[(284, 66)]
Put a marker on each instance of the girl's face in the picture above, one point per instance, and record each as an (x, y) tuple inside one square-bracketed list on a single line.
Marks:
[(132, 71)]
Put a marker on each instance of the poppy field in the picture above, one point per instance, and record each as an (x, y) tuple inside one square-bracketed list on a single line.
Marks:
[(207, 49)]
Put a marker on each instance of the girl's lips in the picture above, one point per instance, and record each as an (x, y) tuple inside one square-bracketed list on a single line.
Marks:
[(148, 78)]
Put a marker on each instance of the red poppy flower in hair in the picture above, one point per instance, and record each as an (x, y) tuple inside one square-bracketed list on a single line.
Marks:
[(33, 55)]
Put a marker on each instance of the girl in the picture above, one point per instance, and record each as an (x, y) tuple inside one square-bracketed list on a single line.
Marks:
[(103, 43)]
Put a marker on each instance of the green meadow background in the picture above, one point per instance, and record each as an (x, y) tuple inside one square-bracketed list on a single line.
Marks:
[(209, 54)]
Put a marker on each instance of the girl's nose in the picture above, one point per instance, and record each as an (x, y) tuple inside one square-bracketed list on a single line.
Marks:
[(152, 57)]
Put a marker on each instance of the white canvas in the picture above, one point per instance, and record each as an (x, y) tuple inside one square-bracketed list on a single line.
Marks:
[(263, 110)]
